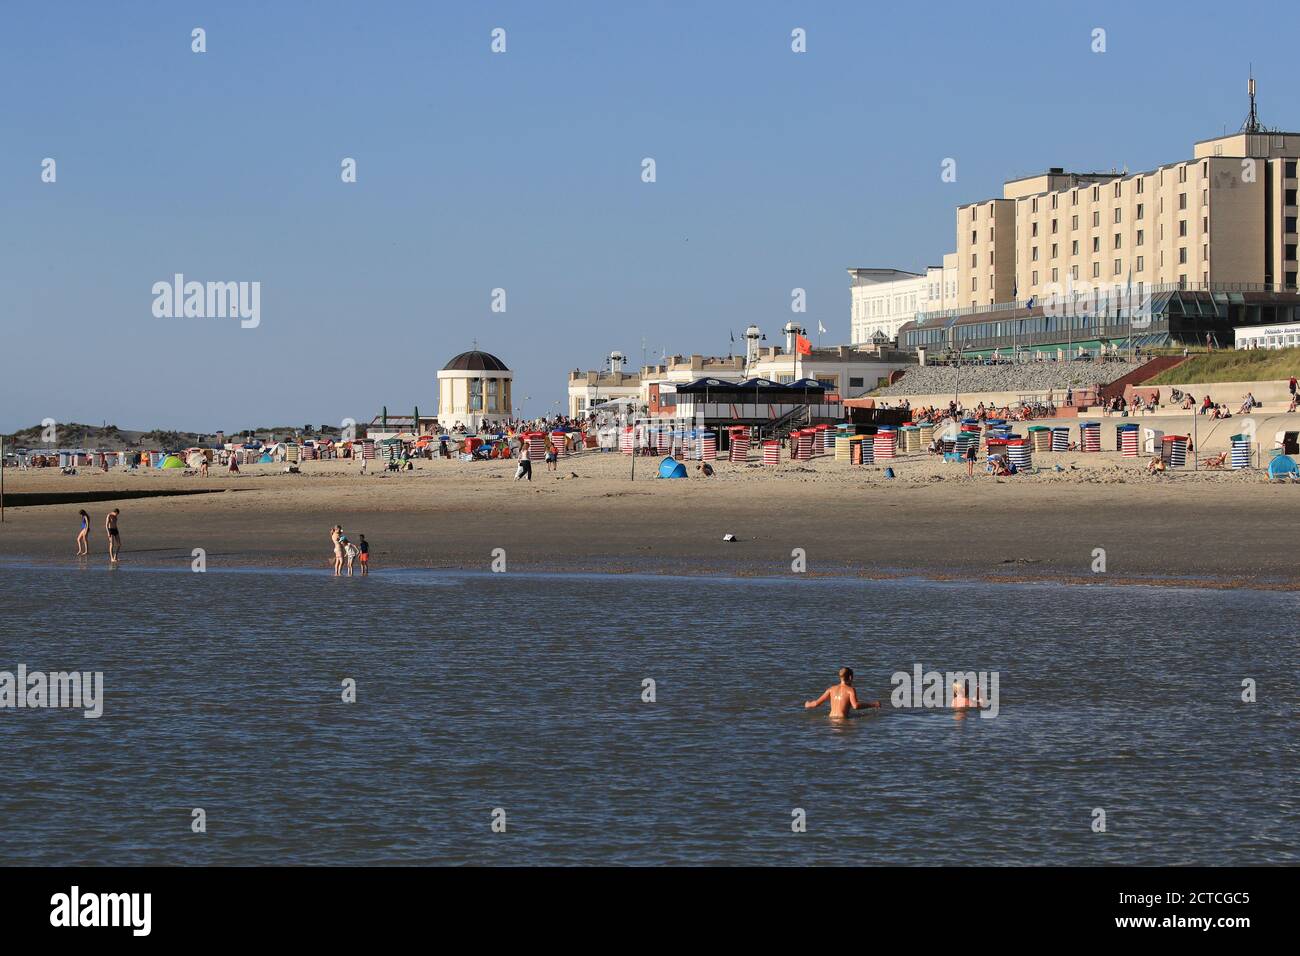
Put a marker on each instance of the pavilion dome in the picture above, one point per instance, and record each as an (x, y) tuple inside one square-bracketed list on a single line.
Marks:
[(475, 361)]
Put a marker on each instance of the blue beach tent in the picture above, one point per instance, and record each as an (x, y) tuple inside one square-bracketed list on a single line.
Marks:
[(670, 467)]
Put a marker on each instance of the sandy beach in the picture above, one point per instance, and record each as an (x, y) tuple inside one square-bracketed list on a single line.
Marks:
[(1218, 528)]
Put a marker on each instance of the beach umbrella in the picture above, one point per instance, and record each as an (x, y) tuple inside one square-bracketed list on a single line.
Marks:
[(195, 459)]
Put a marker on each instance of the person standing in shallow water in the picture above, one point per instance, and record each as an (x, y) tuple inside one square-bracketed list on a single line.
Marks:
[(83, 546), (114, 535), (843, 697)]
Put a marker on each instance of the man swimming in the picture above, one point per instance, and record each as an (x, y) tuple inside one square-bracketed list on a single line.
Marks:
[(842, 696)]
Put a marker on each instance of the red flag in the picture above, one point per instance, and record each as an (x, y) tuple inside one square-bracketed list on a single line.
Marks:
[(802, 346)]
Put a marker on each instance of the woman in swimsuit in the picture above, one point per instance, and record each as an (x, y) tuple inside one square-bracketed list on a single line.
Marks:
[(82, 546), (843, 697), (336, 536)]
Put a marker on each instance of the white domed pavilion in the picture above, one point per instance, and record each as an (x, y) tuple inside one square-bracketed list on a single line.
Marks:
[(473, 387)]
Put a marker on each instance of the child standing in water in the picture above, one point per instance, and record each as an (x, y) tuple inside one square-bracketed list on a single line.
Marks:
[(364, 546), (842, 696)]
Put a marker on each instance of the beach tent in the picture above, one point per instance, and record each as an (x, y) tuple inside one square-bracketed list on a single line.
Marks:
[(670, 467), (1283, 466), (171, 461)]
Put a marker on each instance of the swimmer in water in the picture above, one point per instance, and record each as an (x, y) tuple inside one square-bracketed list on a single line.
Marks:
[(959, 699), (842, 696)]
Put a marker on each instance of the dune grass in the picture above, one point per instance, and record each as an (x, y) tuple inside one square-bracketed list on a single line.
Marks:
[(1249, 365)]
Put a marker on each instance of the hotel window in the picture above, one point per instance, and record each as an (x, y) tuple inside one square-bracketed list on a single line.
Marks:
[(974, 211), (1053, 227), (1182, 281), (1096, 243), (1054, 275), (1139, 185), (1117, 190), (1116, 267), (1205, 197), (1033, 230), (1289, 169), (1182, 174), (1096, 193), (990, 257), (1182, 200), (1096, 218), (1053, 250), (974, 283), (1118, 216), (1096, 270), (1053, 200), (1033, 254), (1033, 204), (1141, 262), (974, 237), (1140, 210), (1074, 247), (1205, 167), (1141, 236), (1205, 251), (1074, 197), (1205, 224), (1117, 242), (1182, 227), (1074, 272), (974, 260), (1035, 277), (990, 233), (1182, 255)]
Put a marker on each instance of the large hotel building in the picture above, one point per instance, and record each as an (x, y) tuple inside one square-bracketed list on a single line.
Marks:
[(1207, 243)]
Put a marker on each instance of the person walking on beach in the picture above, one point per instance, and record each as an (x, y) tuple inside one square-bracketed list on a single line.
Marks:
[(364, 547), (83, 546), (842, 696), (525, 469), (970, 460), (114, 536), (551, 456), (336, 537)]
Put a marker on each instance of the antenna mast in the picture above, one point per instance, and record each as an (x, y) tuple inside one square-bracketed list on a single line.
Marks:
[(1252, 121)]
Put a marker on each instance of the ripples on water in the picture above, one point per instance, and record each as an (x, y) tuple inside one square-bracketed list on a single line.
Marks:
[(482, 691)]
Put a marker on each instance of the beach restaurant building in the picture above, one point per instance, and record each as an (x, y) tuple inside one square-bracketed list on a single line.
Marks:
[(472, 388), (841, 372)]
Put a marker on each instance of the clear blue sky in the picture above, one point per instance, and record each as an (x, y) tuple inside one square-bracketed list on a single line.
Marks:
[(522, 171)]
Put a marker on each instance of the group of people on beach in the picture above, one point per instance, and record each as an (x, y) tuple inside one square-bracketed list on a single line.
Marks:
[(110, 528), (346, 552)]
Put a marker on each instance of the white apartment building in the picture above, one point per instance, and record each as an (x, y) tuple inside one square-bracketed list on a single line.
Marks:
[(883, 300)]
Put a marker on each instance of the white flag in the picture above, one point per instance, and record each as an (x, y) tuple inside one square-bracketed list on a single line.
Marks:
[(821, 329)]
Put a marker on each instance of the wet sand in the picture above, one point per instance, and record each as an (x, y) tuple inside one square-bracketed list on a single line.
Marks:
[(1218, 528)]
